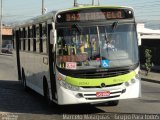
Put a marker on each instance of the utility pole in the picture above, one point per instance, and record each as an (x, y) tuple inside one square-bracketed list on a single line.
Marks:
[(75, 3), (98, 2), (1, 26), (94, 3), (42, 7)]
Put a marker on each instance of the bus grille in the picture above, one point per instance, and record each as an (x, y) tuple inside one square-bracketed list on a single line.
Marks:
[(102, 97), (105, 74), (101, 87)]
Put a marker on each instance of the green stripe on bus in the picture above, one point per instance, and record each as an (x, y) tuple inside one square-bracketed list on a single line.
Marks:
[(99, 81)]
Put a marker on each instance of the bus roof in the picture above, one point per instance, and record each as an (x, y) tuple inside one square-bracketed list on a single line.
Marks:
[(86, 7), (51, 15), (35, 20)]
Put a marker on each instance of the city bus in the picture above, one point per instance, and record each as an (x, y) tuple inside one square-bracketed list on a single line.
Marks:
[(65, 56)]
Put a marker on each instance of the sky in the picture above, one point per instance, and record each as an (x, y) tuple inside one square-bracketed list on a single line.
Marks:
[(18, 10)]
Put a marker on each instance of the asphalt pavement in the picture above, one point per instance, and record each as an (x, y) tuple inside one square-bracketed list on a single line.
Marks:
[(19, 105)]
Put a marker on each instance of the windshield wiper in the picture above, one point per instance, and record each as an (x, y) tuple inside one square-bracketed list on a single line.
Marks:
[(77, 27), (114, 26), (108, 38)]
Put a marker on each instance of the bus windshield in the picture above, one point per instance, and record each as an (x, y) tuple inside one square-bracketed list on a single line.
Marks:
[(108, 46)]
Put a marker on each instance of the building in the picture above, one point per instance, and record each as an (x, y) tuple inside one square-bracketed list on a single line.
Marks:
[(149, 39), (6, 35)]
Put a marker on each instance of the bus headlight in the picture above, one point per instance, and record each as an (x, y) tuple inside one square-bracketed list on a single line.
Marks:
[(138, 76), (126, 84), (133, 80), (68, 86)]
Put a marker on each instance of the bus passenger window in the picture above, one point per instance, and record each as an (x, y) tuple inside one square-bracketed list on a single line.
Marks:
[(37, 38), (20, 43), (44, 38), (40, 39), (26, 39), (29, 39), (34, 38), (23, 39)]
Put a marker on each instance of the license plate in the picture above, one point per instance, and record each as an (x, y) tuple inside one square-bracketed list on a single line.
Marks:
[(103, 94)]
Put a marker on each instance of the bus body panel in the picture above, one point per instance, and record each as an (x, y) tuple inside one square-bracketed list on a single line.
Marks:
[(35, 68), (66, 96)]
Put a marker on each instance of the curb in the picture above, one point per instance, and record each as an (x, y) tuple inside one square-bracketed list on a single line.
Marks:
[(150, 80), (5, 54)]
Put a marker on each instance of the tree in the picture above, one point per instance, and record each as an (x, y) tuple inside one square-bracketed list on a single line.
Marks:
[(148, 63)]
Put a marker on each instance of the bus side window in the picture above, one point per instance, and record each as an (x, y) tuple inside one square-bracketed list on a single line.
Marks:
[(29, 38), (20, 40), (26, 39), (37, 38), (23, 39), (44, 38), (34, 38), (40, 44)]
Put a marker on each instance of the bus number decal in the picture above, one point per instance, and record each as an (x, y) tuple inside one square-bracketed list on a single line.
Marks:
[(83, 83), (103, 94), (71, 65)]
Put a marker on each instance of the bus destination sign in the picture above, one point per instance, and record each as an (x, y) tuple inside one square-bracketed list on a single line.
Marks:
[(94, 16), (88, 15)]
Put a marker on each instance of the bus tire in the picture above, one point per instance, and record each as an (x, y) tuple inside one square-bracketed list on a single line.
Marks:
[(46, 92), (113, 103), (24, 81)]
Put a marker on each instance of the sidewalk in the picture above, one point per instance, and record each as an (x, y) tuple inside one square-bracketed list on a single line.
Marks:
[(6, 54), (153, 76)]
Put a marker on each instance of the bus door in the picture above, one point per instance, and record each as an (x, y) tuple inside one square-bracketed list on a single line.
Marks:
[(51, 59)]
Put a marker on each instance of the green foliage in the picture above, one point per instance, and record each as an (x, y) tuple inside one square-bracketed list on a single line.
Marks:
[(148, 63)]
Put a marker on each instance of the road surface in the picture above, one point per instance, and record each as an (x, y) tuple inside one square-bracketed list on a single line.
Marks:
[(16, 104)]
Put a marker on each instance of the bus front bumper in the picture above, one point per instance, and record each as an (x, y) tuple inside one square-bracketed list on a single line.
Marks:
[(66, 96)]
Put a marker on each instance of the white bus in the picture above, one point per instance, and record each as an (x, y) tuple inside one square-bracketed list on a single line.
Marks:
[(86, 54)]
